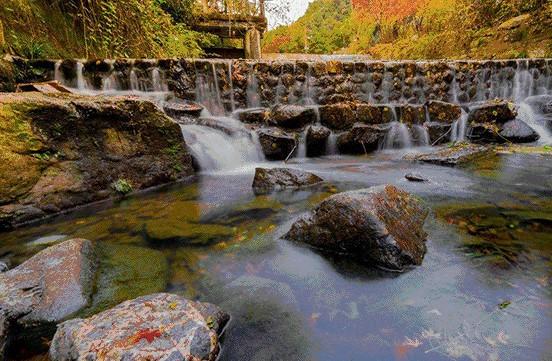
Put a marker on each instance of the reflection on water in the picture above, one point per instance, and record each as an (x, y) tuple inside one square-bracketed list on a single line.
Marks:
[(482, 292)]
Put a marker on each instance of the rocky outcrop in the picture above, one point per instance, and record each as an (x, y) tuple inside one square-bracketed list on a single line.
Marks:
[(317, 140), (443, 112), (362, 138), (269, 180), (380, 226), (291, 116), (47, 288), (61, 151), (517, 131), (156, 327), (458, 154), (276, 144), (182, 109), (496, 112), (7, 76)]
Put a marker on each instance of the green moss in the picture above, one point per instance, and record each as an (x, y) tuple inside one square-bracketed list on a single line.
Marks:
[(126, 272), (122, 186)]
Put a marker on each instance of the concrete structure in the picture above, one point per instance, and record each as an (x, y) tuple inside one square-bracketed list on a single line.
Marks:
[(237, 20)]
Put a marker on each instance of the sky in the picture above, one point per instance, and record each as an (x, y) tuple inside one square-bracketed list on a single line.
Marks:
[(297, 9)]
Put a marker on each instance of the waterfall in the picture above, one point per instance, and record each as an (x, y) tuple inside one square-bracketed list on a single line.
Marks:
[(302, 146), (110, 83), (397, 137), (231, 81), (134, 82), (229, 147), (422, 135), (252, 92), (81, 82), (158, 80), (331, 146), (58, 75), (208, 92), (529, 116), (459, 128)]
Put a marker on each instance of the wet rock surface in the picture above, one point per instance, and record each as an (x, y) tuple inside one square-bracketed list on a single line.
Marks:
[(362, 138), (61, 151), (253, 116), (439, 133), (380, 226), (517, 131), (156, 327), (49, 287), (495, 111), (443, 112), (269, 180), (276, 144), (415, 177), (175, 109), (337, 116), (317, 140), (291, 116), (457, 154)]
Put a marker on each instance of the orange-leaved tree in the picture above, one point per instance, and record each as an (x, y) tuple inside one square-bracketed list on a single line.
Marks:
[(382, 10)]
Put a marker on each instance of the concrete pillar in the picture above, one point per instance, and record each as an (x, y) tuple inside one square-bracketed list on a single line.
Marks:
[(253, 44)]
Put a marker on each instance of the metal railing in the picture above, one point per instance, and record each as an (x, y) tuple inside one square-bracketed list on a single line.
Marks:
[(235, 7)]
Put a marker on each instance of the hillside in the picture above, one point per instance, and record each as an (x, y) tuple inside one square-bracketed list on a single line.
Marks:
[(420, 29), (99, 28)]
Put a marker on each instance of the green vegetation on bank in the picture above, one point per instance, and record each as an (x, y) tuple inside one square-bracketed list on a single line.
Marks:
[(420, 29), (100, 28)]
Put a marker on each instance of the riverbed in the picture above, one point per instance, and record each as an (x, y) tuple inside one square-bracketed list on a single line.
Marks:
[(482, 292)]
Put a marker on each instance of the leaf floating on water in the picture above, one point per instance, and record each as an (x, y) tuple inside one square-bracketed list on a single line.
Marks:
[(414, 343), (504, 304)]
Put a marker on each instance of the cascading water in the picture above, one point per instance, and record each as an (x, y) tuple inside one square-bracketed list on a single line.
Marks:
[(398, 137), (81, 82), (421, 135), (227, 147), (459, 128), (331, 145), (252, 92), (529, 116)]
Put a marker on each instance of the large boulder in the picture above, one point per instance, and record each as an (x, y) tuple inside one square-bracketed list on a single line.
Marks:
[(49, 287), (276, 144), (362, 138), (291, 116), (443, 112), (381, 226), (62, 151), (269, 180), (182, 109), (494, 111), (413, 114), (337, 116), (517, 131), (317, 140), (155, 327)]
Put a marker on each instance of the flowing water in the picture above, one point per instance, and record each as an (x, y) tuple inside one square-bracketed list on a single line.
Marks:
[(482, 293)]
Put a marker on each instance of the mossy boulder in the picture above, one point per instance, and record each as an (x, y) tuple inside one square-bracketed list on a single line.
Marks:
[(61, 151), (7, 79)]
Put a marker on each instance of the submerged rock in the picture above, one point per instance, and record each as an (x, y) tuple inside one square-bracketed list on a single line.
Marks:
[(276, 144), (317, 140), (381, 226), (58, 152), (269, 180), (517, 131), (413, 177), (156, 327), (49, 287), (443, 112), (495, 111), (458, 154), (291, 116), (541, 103)]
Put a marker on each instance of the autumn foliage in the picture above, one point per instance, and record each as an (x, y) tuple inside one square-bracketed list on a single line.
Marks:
[(387, 9)]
